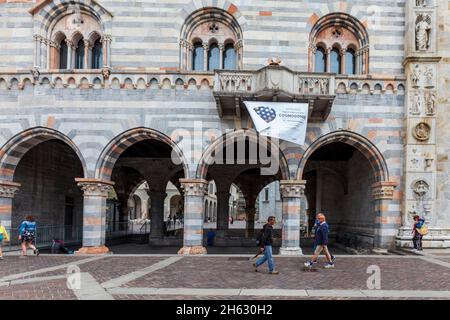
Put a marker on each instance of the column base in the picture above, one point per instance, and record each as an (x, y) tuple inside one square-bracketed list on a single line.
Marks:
[(291, 251), (93, 250), (380, 251), (188, 251)]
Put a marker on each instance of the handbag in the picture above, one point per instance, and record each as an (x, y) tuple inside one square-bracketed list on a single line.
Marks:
[(423, 230)]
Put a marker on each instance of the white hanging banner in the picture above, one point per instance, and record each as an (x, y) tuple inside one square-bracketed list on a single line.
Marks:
[(283, 120)]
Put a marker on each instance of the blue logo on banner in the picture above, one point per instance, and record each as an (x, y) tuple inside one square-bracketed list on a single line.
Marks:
[(266, 113)]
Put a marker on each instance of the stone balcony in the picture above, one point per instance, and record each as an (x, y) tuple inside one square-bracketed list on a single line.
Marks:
[(274, 83)]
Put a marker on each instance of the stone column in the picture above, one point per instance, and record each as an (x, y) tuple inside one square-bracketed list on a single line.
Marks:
[(87, 54), (328, 52), (292, 191), (205, 56), (37, 50), (8, 190), (70, 54), (94, 214), (157, 213), (343, 62), (194, 196), (387, 218), (221, 49), (251, 212), (106, 41), (223, 198)]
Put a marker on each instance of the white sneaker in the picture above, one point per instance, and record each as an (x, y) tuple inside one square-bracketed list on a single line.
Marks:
[(329, 266)]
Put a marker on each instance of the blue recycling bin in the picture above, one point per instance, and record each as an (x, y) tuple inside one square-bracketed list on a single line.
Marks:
[(210, 237)]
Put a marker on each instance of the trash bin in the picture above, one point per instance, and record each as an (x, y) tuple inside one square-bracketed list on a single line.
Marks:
[(210, 237)]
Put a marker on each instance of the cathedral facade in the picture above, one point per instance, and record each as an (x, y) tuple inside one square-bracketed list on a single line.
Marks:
[(98, 97)]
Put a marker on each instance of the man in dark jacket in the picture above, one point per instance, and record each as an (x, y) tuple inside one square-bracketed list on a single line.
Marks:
[(266, 247), (321, 243)]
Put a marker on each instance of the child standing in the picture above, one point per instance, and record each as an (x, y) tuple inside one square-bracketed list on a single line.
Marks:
[(4, 237)]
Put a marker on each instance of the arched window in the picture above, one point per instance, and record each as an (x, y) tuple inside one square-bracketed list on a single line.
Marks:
[(221, 31), (350, 62), (97, 55), (320, 60), (63, 54), (79, 55), (352, 37), (197, 58), (335, 61), (213, 57), (229, 57)]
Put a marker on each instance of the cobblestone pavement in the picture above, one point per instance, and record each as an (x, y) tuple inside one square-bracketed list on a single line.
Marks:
[(169, 277)]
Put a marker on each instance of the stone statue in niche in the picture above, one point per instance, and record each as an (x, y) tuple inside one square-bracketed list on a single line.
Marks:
[(431, 103), (415, 76), (422, 131), (421, 188), (417, 104), (429, 77), (423, 30)]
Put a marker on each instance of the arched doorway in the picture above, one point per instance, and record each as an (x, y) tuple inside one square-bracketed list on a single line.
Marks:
[(249, 162), (144, 155), (347, 180), (43, 163)]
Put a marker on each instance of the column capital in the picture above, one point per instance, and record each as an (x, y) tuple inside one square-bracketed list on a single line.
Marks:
[(8, 189), (94, 187), (383, 190), (292, 188), (194, 187), (106, 38)]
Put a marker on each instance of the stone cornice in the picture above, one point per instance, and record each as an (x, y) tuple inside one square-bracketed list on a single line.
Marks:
[(420, 59)]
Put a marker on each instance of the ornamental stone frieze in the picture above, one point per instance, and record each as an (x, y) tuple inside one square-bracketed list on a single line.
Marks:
[(95, 187), (292, 188), (8, 189), (194, 187)]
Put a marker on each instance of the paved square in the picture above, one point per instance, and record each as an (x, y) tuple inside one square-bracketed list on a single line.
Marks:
[(212, 277)]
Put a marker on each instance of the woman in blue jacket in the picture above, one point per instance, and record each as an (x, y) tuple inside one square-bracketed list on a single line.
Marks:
[(27, 235)]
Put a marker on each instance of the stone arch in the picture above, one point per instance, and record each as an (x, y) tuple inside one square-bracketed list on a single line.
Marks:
[(237, 135), (367, 148), (13, 151), (119, 144)]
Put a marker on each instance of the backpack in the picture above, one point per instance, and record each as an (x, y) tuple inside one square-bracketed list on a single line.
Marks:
[(260, 237)]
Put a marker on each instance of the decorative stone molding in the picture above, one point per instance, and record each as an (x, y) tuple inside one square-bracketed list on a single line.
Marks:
[(35, 73), (292, 188), (383, 190), (94, 187), (422, 131), (8, 189), (421, 188), (198, 250), (194, 187)]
